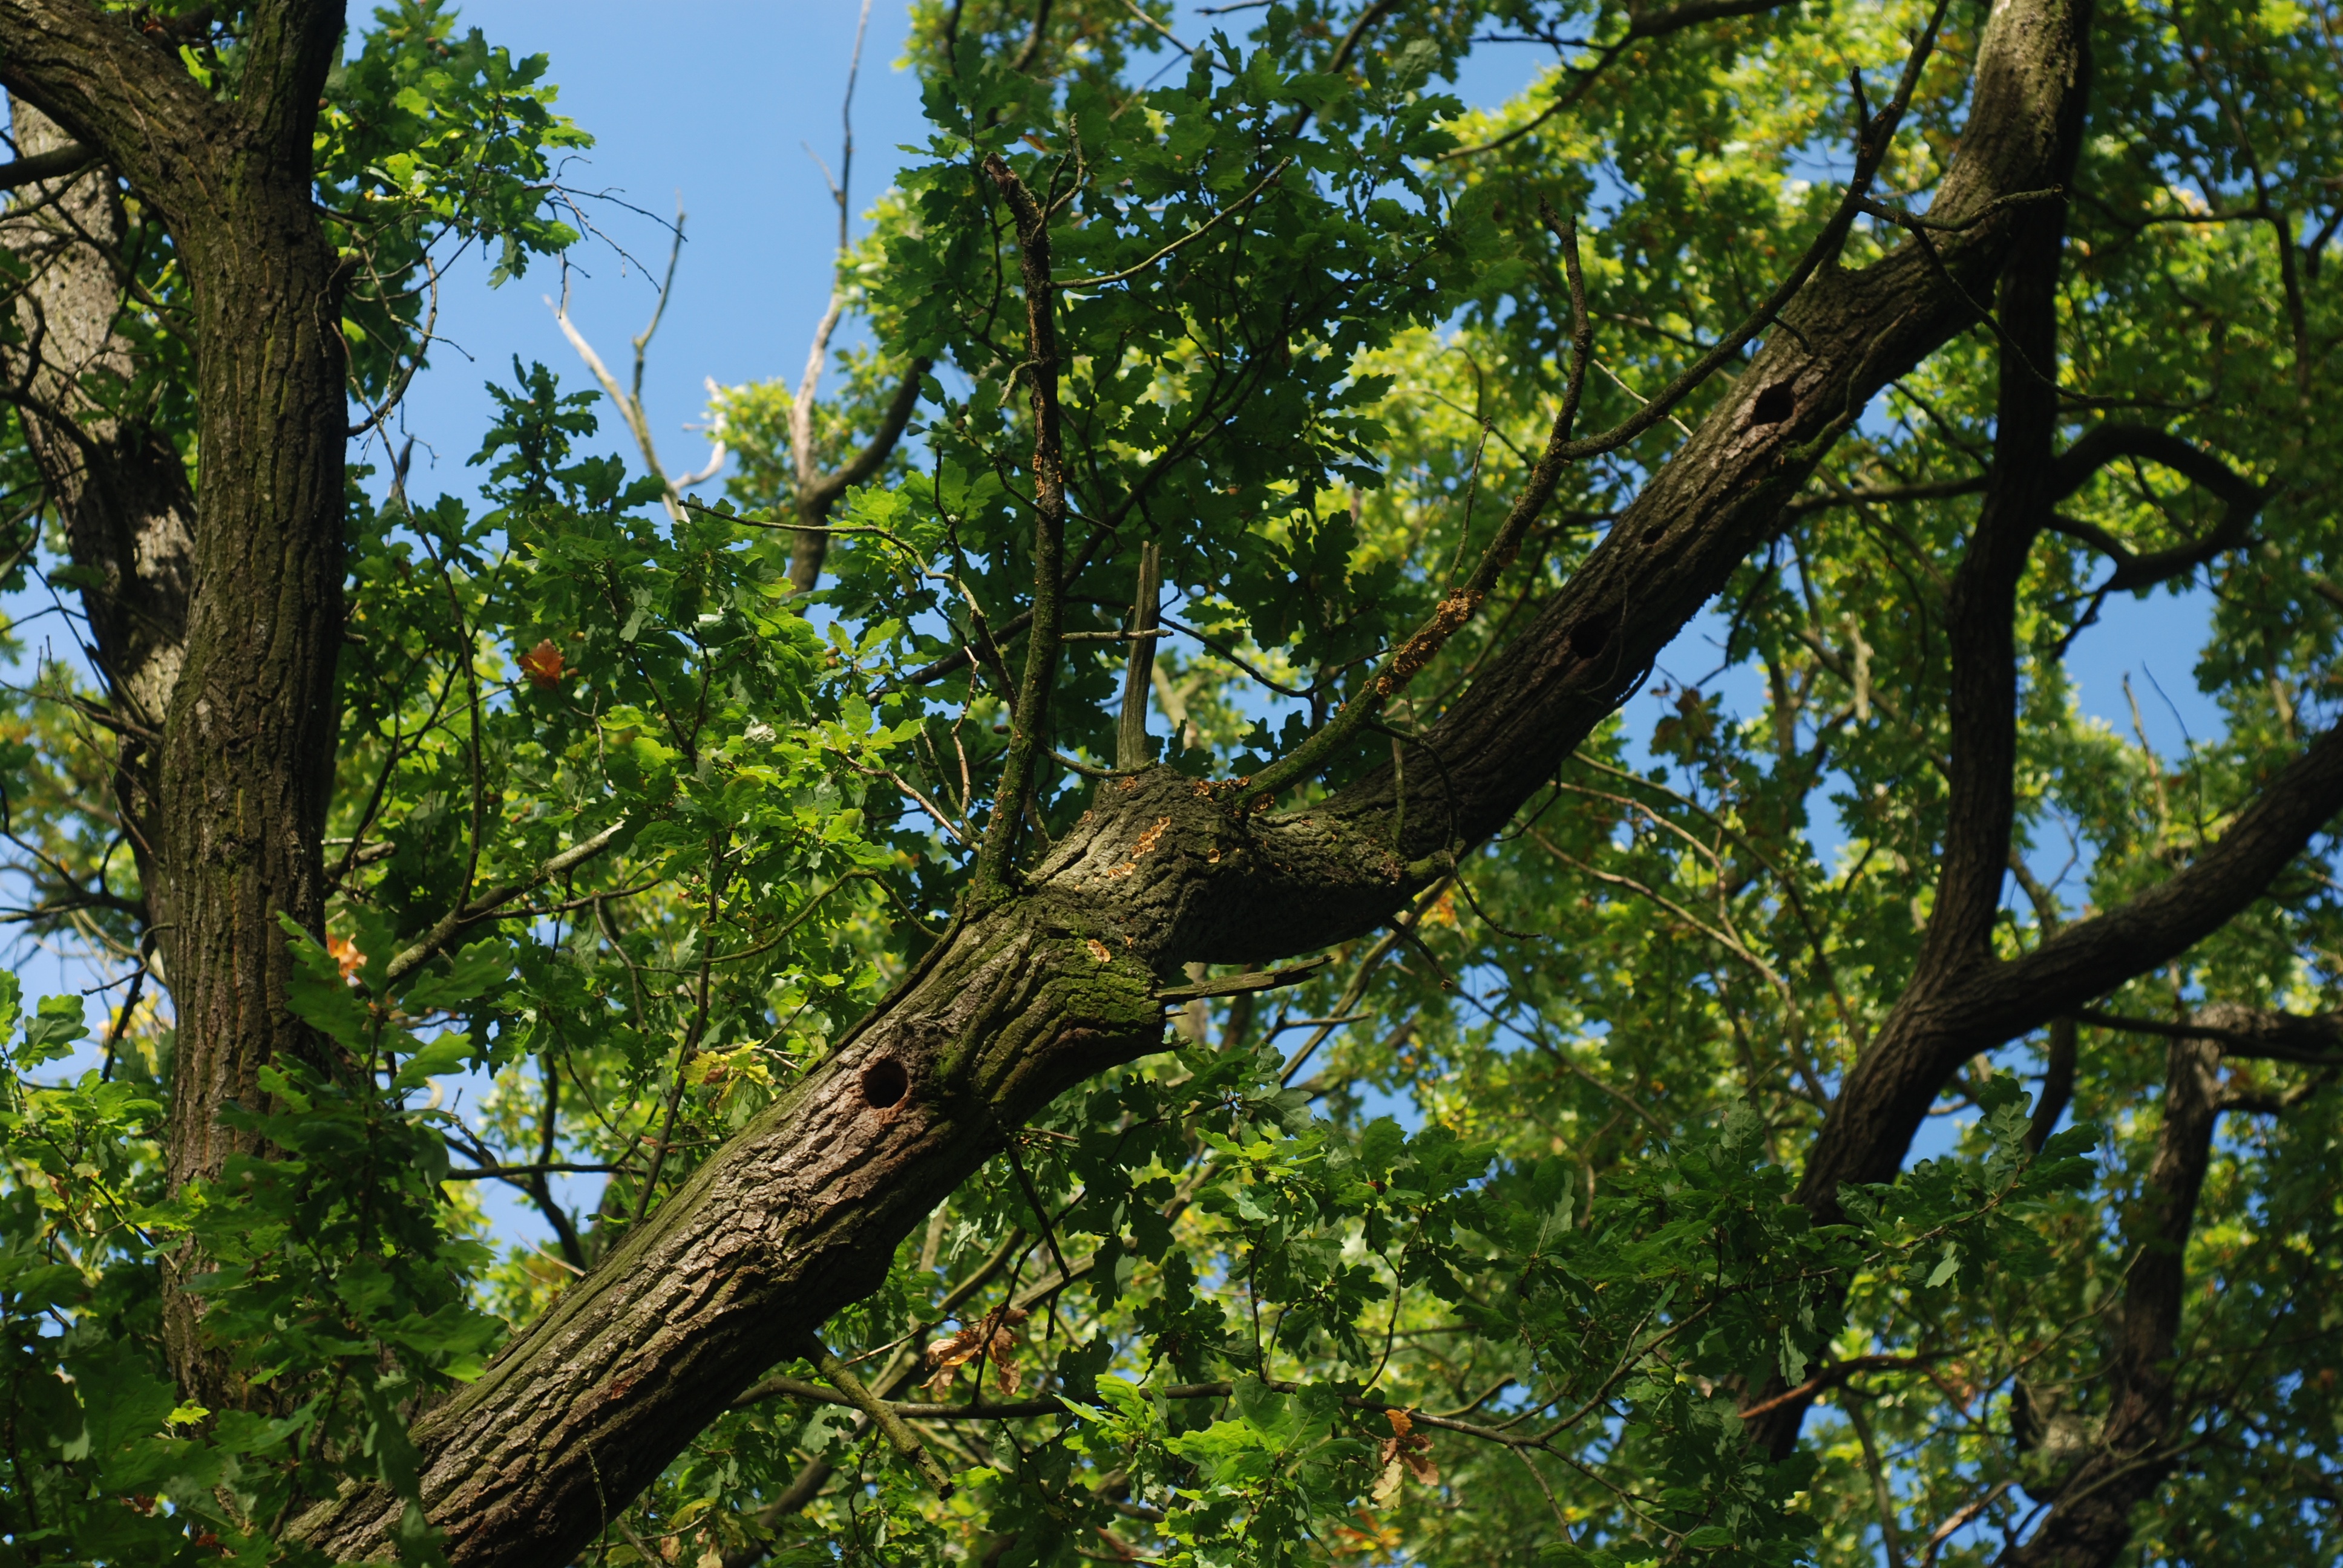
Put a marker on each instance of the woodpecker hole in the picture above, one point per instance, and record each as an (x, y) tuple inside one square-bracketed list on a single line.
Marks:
[(1773, 404), (1586, 638), (884, 1082)]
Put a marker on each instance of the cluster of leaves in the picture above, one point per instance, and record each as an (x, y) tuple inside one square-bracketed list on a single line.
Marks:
[(334, 1291), (1724, 902), (428, 140), (430, 137), (1235, 1293), (638, 695)]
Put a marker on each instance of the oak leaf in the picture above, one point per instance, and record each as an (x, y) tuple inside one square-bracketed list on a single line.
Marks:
[(988, 1337), (1405, 1453), (543, 665)]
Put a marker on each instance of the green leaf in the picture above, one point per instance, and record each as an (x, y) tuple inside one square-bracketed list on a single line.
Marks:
[(318, 995), (52, 1031), (1946, 1267), (469, 974), (437, 1058)]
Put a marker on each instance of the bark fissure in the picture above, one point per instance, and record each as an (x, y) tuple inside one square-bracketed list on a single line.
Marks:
[(1057, 971), (116, 483)]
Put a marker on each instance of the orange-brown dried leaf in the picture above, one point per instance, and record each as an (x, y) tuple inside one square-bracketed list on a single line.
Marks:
[(989, 1336), (1405, 1448), (544, 666)]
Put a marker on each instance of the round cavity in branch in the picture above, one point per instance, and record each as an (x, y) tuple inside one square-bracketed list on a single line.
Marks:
[(884, 1083), (1588, 638), (1773, 404)]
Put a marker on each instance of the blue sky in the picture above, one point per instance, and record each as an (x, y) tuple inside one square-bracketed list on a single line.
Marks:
[(724, 105), (709, 103), (717, 106)]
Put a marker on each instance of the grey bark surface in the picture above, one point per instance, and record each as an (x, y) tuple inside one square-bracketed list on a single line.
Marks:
[(116, 483)]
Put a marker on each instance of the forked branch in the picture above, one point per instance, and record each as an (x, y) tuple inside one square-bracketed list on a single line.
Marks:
[(2090, 1523), (817, 492), (629, 400), (2241, 501)]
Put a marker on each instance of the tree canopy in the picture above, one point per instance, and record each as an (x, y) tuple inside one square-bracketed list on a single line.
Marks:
[(1132, 989)]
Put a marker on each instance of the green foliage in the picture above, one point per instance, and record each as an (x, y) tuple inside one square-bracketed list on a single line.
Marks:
[(1473, 1247), (430, 136), (334, 1291)]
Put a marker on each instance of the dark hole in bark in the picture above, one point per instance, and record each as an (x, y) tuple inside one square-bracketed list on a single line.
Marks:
[(1774, 404), (884, 1082), (1652, 534), (1586, 638)]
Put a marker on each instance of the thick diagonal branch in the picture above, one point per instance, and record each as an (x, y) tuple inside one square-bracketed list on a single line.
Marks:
[(1040, 985), (1937, 1027)]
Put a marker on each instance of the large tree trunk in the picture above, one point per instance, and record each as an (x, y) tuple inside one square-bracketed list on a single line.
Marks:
[(247, 748), (1036, 987), (116, 484), (1054, 981)]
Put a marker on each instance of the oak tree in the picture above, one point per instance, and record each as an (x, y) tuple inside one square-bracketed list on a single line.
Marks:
[(1135, 985)]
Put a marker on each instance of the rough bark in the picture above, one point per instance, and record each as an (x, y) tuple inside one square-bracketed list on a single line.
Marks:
[(1961, 1000), (1723, 493), (1873, 1117), (116, 482), (1054, 978), (247, 746), (2090, 1524)]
